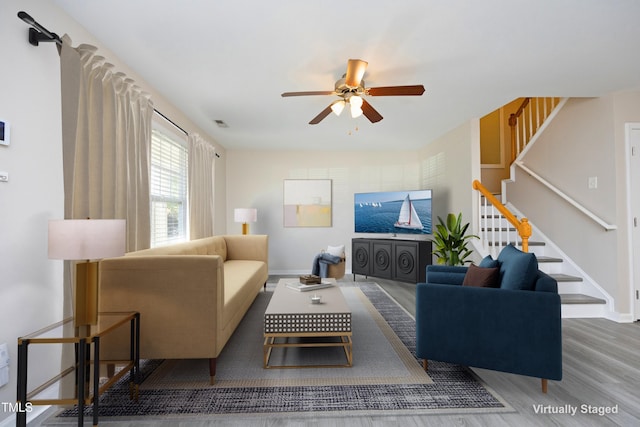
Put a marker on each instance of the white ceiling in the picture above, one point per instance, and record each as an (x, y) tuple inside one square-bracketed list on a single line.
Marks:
[(232, 59)]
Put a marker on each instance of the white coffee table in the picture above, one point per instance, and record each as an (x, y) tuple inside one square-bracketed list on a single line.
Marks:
[(291, 314)]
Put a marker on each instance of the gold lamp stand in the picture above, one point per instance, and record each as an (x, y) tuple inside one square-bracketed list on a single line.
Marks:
[(86, 294)]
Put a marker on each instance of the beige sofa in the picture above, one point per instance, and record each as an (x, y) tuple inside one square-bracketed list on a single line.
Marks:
[(191, 296)]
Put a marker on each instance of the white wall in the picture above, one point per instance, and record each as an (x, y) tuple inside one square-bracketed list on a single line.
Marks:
[(31, 292), (31, 285), (255, 179)]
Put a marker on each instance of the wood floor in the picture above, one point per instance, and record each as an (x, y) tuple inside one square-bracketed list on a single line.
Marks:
[(601, 373)]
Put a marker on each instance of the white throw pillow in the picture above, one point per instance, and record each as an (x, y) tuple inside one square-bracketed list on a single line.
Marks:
[(335, 250)]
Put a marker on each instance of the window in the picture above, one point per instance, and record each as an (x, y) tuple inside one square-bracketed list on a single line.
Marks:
[(168, 187)]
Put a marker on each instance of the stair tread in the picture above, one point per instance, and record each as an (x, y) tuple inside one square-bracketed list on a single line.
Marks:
[(531, 243), (565, 277), (580, 299), (542, 258)]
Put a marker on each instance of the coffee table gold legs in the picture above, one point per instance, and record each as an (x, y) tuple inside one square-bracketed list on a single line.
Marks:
[(270, 343)]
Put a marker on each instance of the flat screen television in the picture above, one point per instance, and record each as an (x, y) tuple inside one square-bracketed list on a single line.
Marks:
[(395, 212)]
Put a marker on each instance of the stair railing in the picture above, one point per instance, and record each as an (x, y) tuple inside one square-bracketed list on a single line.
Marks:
[(527, 120), (494, 239)]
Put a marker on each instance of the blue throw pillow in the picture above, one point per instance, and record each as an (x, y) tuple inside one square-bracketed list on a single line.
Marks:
[(518, 270), (489, 262)]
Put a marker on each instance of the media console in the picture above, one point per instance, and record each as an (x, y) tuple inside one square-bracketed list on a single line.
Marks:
[(394, 259)]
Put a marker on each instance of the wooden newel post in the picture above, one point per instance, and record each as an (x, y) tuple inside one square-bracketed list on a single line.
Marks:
[(524, 230)]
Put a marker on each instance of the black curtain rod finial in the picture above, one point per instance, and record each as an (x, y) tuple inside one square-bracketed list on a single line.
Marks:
[(26, 17)]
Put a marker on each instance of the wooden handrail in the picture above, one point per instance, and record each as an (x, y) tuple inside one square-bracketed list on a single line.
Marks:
[(522, 226), (519, 111), (513, 122), (527, 120)]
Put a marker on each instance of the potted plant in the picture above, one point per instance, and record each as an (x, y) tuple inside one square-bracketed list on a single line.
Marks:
[(450, 242)]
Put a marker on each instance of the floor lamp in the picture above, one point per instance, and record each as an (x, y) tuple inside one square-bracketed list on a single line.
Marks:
[(245, 216), (86, 241)]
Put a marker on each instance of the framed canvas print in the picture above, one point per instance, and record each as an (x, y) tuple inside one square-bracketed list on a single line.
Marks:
[(4, 133), (307, 203)]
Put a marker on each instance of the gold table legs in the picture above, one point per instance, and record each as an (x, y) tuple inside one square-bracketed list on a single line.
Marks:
[(270, 343)]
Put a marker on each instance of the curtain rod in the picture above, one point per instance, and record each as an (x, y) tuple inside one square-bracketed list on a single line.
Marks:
[(38, 34), (170, 121), (174, 124)]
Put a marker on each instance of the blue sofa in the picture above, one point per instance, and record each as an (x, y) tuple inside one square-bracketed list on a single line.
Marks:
[(512, 323)]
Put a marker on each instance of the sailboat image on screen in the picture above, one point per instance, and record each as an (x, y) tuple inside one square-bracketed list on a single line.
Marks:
[(408, 217)]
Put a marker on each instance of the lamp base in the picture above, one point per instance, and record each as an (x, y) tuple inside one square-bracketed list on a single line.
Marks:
[(245, 228), (86, 294)]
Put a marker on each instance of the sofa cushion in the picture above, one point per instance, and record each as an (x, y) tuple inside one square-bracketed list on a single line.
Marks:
[(489, 262), (482, 277), (240, 278), (518, 270)]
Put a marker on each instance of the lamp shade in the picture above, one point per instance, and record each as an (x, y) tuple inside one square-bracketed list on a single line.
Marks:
[(337, 107), (245, 215), (355, 101), (78, 239)]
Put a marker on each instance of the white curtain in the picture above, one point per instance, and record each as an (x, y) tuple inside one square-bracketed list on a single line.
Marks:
[(202, 156), (106, 125)]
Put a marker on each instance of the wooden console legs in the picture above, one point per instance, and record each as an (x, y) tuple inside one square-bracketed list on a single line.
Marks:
[(425, 364), (212, 370)]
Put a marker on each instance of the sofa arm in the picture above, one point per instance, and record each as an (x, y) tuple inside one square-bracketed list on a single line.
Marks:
[(446, 274), (254, 247), (510, 331)]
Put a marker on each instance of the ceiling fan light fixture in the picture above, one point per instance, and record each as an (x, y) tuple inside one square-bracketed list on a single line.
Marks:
[(355, 101), (355, 111), (351, 89), (337, 107)]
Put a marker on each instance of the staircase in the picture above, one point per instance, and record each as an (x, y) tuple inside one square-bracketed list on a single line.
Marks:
[(501, 225), (580, 297)]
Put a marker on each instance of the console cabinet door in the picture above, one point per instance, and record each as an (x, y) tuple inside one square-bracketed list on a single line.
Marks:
[(382, 259), (406, 261), (360, 258)]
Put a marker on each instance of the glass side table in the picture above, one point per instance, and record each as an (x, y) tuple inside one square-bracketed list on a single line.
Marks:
[(86, 367)]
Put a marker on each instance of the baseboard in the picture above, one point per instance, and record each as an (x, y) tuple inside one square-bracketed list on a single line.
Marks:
[(584, 311), (288, 272), (36, 410), (296, 272), (9, 421), (620, 317)]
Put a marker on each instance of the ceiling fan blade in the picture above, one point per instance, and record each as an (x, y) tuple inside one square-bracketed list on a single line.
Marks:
[(370, 112), (324, 113), (313, 92), (355, 72), (396, 90)]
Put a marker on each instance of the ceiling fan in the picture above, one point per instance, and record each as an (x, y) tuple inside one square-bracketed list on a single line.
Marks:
[(351, 89)]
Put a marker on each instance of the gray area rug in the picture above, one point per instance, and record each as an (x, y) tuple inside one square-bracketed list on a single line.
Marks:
[(379, 356), (281, 392)]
